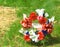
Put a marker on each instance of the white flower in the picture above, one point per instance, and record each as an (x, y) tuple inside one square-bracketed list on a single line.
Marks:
[(37, 11), (25, 31), (24, 16), (21, 31), (36, 39), (46, 14), (33, 36), (51, 19), (31, 32), (36, 25), (40, 12)]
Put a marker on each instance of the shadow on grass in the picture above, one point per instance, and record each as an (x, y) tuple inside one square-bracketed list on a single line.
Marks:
[(48, 42), (53, 41)]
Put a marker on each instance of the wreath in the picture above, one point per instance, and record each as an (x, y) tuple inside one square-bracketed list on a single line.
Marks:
[(36, 26)]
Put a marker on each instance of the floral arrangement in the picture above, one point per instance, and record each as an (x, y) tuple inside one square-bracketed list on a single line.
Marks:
[(36, 31)]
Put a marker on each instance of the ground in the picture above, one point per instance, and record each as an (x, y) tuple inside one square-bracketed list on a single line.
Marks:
[(7, 16), (11, 13)]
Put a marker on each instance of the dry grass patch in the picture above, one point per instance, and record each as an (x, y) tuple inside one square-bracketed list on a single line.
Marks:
[(7, 17)]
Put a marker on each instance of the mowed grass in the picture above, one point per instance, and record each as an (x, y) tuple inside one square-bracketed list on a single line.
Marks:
[(13, 38)]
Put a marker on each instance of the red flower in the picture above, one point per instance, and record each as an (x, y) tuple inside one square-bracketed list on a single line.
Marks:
[(47, 27), (42, 20), (27, 23), (33, 16), (26, 38), (49, 31), (44, 26), (41, 35)]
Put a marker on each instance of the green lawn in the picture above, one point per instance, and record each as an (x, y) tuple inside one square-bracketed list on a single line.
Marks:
[(13, 38)]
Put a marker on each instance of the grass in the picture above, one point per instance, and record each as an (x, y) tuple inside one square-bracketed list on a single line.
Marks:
[(13, 38)]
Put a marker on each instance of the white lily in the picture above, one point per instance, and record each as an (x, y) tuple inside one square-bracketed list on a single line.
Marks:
[(33, 36), (24, 16), (23, 31), (36, 38), (46, 14), (51, 19), (40, 12)]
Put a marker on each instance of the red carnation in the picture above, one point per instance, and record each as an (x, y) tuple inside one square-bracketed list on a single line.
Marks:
[(27, 23), (47, 27), (49, 31), (26, 38), (42, 20), (41, 35), (33, 16)]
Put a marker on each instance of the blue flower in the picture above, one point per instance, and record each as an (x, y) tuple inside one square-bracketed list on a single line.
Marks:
[(27, 32), (45, 32)]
